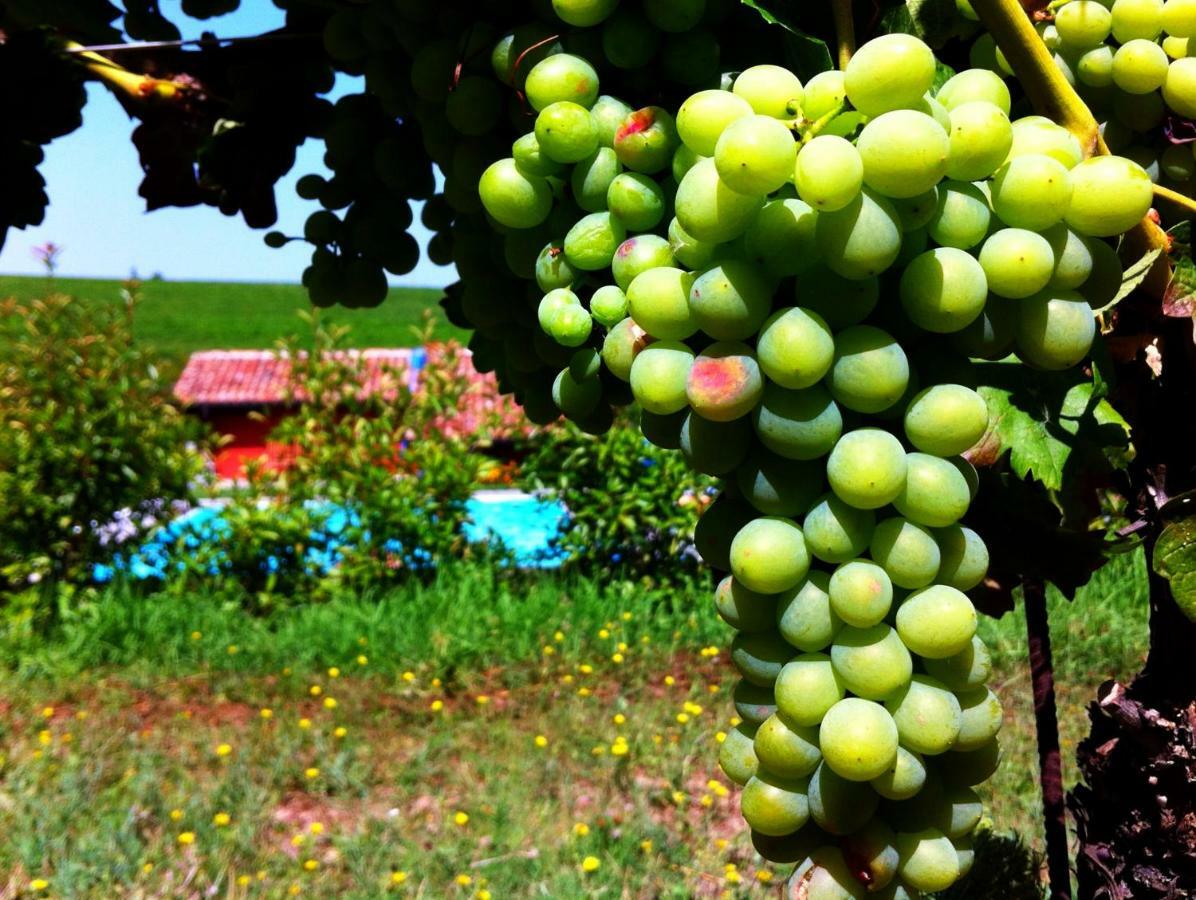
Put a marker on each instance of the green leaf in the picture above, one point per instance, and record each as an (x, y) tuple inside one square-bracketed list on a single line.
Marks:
[(1175, 560), (1133, 277), (934, 21), (806, 54)]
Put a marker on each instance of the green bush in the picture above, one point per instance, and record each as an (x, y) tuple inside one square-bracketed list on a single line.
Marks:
[(632, 506), (87, 432)]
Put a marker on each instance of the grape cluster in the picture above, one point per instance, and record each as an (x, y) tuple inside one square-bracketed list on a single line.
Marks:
[(1130, 62), (791, 277)]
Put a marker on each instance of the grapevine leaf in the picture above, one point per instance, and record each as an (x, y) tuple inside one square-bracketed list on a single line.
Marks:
[(934, 21), (807, 55), (1175, 560), (1134, 276)]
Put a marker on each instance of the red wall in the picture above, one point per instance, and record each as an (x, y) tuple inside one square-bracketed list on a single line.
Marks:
[(244, 440)]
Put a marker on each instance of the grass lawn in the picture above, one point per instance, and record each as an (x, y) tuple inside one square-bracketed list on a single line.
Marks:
[(467, 739), (179, 317)]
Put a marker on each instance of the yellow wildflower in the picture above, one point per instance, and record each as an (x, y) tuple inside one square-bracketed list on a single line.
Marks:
[(541, 741), (334, 672), (461, 818), (590, 864), (221, 819), (187, 837)]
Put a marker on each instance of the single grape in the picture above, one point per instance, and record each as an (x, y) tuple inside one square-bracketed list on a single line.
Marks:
[(1073, 257), (1139, 112), (1140, 67), (566, 132), (742, 609), (858, 739), (561, 77), (731, 300), (609, 113), (795, 348), (872, 663), (904, 153), (591, 243), (639, 254), (807, 687), (714, 448), (703, 117), (966, 670), (774, 806), (1055, 329), (687, 249), (971, 767), (936, 622), (916, 213), (838, 805), (659, 376), (975, 84), (1039, 135), (1104, 283), (907, 551), (782, 237), (860, 593), (962, 217), (982, 718), (513, 197), (737, 754), (553, 269), (799, 425), (829, 173), (769, 555), (628, 40), (946, 419), (759, 657), (787, 749), (637, 200), (608, 305), (576, 399), (531, 159), (873, 854), (583, 13), (591, 178), (755, 155), (724, 382), (867, 468), (964, 558), (789, 849), (991, 335), (935, 493), (944, 289), (717, 527), (646, 140), (904, 778), (1178, 163), (1137, 19), (709, 209), (805, 616), (928, 858), (870, 371), (1083, 24), (659, 302), (621, 346), (1179, 18), (674, 15), (571, 327), (840, 301), (1032, 191), (1111, 196), (825, 94), (981, 138), (770, 91), (1095, 67), (777, 486), (927, 716), (888, 73), (753, 703), (835, 531), (552, 304)]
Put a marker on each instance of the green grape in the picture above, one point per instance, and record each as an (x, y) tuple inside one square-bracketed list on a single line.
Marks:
[(860, 593), (724, 382), (1095, 67), (781, 237), (944, 289), (755, 155), (774, 806), (825, 874), (840, 806), (552, 304), (862, 239), (662, 431), (795, 347), (1083, 24), (776, 486), (731, 300), (787, 850), (981, 138), (797, 424), (1178, 162), (913, 244), (982, 718), (1139, 112), (583, 13), (829, 173), (962, 216), (591, 243), (714, 448), (825, 93), (845, 124), (873, 853), (858, 739), (888, 73), (916, 213), (1140, 67), (904, 778), (760, 657), (566, 132), (659, 302), (561, 77), (840, 301), (737, 754), (1104, 283), (1179, 18), (1039, 135), (609, 113), (585, 363), (936, 622), (684, 159), (513, 197), (531, 159), (646, 140), (969, 473), (553, 269), (637, 255), (904, 153), (753, 703), (927, 716), (967, 670), (872, 663), (576, 399), (628, 41), (935, 493), (867, 468), (836, 532), (1073, 257), (929, 106), (1112, 195), (608, 306), (907, 551), (770, 91), (946, 419), (621, 346), (704, 116), (769, 555), (991, 334), (928, 858), (964, 558), (971, 767), (709, 209), (1147, 159), (674, 15), (807, 687), (717, 527), (870, 371), (787, 749), (659, 376), (961, 813), (1134, 19), (742, 609), (687, 249), (1032, 191), (637, 200), (975, 84), (1055, 330), (805, 616), (571, 327), (592, 177)]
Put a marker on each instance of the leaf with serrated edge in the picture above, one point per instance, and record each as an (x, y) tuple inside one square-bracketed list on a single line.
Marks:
[(808, 55), (1175, 560), (1133, 277)]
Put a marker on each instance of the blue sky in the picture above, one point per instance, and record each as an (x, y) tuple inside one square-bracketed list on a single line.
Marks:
[(96, 215)]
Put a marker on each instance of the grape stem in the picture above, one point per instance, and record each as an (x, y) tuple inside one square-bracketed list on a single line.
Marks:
[(1053, 96), (844, 31)]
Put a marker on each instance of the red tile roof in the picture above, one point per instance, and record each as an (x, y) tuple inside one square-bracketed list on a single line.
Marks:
[(258, 377)]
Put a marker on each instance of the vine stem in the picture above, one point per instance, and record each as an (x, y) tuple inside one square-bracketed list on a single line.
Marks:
[(844, 31)]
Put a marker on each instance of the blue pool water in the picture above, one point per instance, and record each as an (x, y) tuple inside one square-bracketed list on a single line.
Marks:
[(526, 524)]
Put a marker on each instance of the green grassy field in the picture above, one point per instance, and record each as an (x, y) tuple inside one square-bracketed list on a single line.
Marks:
[(495, 736), (179, 317)]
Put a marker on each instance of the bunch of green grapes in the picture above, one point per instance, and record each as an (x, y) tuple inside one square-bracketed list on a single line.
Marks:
[(790, 278), (1131, 63)]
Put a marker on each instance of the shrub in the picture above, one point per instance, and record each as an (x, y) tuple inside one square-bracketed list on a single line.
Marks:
[(632, 506), (87, 433)]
